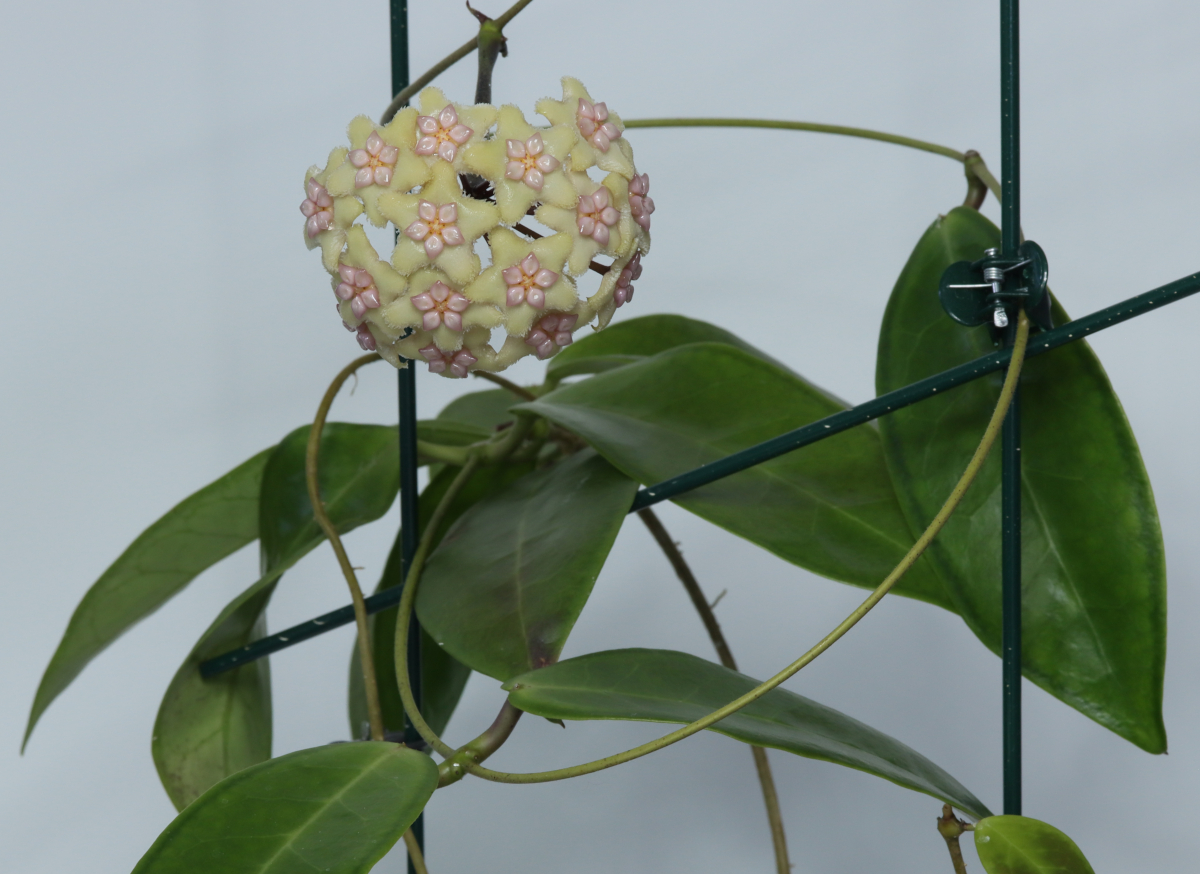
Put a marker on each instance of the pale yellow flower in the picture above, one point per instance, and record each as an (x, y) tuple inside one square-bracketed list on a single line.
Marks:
[(362, 282), (436, 306), (442, 129), (600, 221), (326, 217), (524, 164), (526, 278), (381, 159), (599, 133), (474, 354), (439, 226)]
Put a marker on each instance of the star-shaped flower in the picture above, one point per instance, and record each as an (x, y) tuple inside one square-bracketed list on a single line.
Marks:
[(595, 143), (525, 279), (436, 306), (600, 221), (326, 218), (381, 159), (524, 164), (474, 353), (551, 333), (362, 282), (442, 129), (453, 364), (440, 207)]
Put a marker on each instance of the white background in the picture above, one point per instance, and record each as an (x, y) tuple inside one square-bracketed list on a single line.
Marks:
[(164, 322)]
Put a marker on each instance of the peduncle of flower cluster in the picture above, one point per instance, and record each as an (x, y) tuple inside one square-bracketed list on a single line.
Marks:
[(447, 176)]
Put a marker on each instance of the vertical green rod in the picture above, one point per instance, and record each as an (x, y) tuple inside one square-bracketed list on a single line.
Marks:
[(407, 390), (1010, 452)]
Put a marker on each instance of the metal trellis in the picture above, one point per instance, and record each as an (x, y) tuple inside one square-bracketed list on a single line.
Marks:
[(1013, 254)]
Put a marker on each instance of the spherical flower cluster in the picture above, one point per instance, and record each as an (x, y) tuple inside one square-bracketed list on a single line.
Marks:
[(446, 176)]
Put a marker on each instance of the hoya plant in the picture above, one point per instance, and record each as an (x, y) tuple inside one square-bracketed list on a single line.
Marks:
[(500, 243)]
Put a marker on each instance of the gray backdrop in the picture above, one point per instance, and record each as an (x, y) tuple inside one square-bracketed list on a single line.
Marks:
[(165, 323)]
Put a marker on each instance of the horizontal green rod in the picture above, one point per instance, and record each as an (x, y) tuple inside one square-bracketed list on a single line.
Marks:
[(773, 448)]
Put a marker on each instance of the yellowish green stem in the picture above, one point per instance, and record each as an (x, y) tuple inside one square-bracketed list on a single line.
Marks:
[(311, 475)]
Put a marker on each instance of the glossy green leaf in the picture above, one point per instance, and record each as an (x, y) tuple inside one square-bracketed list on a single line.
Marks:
[(653, 685), (443, 677), (197, 533), (336, 809), (1020, 845), (1094, 576), (508, 581), (209, 729), (643, 336), (828, 507)]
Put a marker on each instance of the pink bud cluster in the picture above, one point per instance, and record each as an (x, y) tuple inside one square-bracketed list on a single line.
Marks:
[(442, 134), (592, 119), (551, 333), (623, 293), (375, 162), (527, 162), (596, 215), (358, 288), (317, 208), (527, 282)]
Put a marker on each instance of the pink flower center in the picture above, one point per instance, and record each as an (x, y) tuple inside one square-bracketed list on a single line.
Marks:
[(441, 305), (595, 215), (436, 227), (631, 271), (375, 162), (363, 335), (551, 333), (458, 362), (527, 282), (592, 119), (527, 163), (317, 208), (441, 134), (358, 287), (639, 200)]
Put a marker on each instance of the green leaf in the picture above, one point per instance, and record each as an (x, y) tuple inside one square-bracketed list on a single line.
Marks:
[(449, 432), (1020, 845), (1094, 589), (443, 677), (209, 729), (201, 530), (828, 507), (336, 809), (643, 336), (481, 409), (653, 685), (508, 581)]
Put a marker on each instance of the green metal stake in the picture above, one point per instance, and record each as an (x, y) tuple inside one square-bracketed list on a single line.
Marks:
[(1010, 452), (407, 385)]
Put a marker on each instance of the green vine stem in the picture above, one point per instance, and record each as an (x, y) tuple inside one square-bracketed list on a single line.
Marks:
[(971, 161), (939, 521), (311, 465), (414, 853), (401, 99), (950, 827), (521, 392), (671, 549)]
